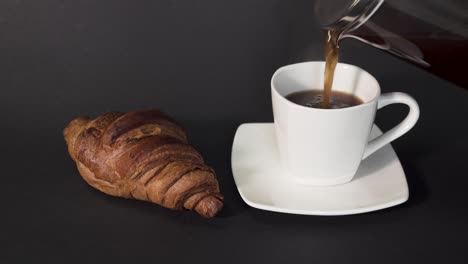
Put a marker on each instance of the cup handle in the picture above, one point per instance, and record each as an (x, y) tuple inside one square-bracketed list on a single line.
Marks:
[(398, 130)]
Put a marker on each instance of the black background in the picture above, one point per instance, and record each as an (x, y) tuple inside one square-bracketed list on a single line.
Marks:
[(208, 63)]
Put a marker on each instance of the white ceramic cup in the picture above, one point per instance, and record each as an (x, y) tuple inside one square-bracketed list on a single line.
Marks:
[(326, 146)]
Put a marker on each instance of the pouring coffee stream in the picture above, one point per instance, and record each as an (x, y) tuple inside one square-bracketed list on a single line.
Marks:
[(431, 34), (331, 59)]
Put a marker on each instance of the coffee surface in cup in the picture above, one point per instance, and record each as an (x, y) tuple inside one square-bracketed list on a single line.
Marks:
[(314, 99)]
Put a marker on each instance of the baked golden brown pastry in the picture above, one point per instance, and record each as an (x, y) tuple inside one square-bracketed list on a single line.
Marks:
[(143, 155)]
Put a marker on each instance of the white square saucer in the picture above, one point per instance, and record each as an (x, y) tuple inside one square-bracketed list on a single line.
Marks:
[(262, 182)]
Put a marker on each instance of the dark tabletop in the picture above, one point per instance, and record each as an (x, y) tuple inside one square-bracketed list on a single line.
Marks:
[(208, 63)]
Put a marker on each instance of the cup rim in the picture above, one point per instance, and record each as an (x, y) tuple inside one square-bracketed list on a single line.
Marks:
[(286, 67)]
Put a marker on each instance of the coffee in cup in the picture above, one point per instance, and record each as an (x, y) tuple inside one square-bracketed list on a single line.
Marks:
[(314, 99), (325, 146)]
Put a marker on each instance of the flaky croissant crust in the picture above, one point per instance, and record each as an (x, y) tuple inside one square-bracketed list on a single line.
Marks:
[(143, 155)]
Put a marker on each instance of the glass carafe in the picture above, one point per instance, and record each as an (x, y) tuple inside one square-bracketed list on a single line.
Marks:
[(432, 34)]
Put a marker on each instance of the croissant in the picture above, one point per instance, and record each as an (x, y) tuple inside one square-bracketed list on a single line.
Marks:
[(143, 155)]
